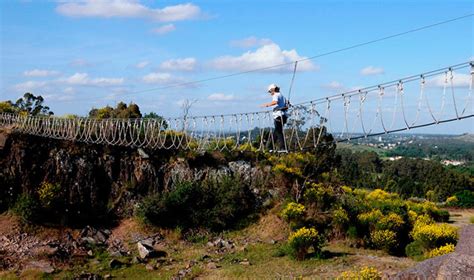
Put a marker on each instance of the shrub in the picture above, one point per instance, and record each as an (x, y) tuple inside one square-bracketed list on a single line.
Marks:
[(293, 211), (414, 249), (471, 219), (391, 221), (27, 208), (465, 199), (371, 217), (446, 249), (384, 239), (452, 201), (48, 193), (340, 217), (365, 273), (435, 235), (216, 205), (379, 194), (303, 239)]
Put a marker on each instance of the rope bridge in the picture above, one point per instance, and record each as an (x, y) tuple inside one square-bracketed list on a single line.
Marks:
[(439, 96)]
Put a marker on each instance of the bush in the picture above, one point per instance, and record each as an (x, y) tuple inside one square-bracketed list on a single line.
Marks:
[(465, 199), (293, 211), (435, 235), (471, 219), (452, 201), (446, 249), (414, 249), (27, 208), (365, 273), (48, 193), (391, 221), (302, 240), (384, 239), (216, 205)]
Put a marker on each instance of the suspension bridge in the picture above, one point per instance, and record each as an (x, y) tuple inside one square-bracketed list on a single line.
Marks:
[(427, 99)]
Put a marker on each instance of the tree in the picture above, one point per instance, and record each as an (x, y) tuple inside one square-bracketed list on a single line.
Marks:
[(158, 118), (32, 105), (7, 107), (121, 111)]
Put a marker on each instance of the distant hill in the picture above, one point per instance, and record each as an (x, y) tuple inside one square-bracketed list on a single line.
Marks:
[(467, 137)]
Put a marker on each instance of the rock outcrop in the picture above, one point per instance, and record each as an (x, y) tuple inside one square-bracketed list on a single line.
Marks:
[(97, 181), (457, 265)]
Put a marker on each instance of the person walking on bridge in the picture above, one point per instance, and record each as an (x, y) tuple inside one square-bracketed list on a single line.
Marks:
[(279, 114)]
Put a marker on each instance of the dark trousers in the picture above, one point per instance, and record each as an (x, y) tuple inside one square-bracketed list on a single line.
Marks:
[(280, 139)]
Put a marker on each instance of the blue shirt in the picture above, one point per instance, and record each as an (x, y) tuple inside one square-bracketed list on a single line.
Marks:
[(281, 102)]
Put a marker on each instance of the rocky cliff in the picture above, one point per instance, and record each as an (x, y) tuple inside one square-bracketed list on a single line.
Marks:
[(96, 182)]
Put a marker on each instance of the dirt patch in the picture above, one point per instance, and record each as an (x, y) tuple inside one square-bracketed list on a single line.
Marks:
[(460, 217)]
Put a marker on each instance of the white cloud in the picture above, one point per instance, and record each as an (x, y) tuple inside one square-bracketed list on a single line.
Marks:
[(371, 70), (127, 9), (167, 28), (40, 73), (221, 97), (334, 85), (69, 90), (142, 64), (161, 78), (250, 42), (265, 56), (30, 86), (83, 79), (459, 80), (180, 64)]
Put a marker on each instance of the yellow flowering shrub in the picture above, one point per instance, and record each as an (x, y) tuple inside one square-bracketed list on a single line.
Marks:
[(435, 235), (303, 239), (391, 221), (384, 239), (370, 217), (452, 200), (379, 194), (293, 211), (365, 273), (422, 220), (340, 217), (346, 189), (317, 191), (412, 216), (48, 193), (446, 249)]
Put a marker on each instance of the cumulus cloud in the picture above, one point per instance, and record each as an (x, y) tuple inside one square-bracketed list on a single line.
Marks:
[(180, 64), (265, 56), (459, 80), (167, 28), (40, 73), (250, 42), (127, 9), (83, 79), (221, 97), (30, 86), (334, 85), (142, 64), (161, 78), (371, 70)]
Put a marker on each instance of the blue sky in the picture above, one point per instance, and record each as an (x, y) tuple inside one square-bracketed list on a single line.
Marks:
[(84, 54)]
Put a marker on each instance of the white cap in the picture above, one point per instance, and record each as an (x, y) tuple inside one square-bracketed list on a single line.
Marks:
[(271, 87)]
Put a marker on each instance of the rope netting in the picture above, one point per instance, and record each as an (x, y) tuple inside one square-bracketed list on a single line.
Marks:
[(417, 101)]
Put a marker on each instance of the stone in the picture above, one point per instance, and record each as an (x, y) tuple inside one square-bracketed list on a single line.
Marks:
[(212, 265), (114, 263), (245, 263), (142, 154), (150, 267), (144, 250), (40, 265), (108, 276)]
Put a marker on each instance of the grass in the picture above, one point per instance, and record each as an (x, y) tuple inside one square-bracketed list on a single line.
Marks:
[(471, 219)]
